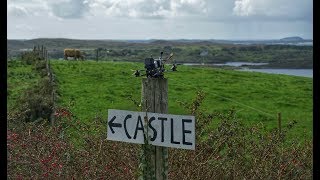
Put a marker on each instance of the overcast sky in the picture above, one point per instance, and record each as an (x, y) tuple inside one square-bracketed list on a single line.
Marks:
[(159, 19)]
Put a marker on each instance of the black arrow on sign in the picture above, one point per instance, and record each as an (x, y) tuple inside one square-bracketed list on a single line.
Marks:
[(111, 124)]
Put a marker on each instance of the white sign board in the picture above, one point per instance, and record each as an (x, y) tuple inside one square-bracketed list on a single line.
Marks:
[(177, 131)]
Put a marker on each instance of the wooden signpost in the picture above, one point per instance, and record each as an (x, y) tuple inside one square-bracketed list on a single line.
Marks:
[(165, 130), (153, 128)]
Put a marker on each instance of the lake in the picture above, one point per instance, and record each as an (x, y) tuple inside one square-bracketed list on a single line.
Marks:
[(238, 64), (292, 72), (234, 64)]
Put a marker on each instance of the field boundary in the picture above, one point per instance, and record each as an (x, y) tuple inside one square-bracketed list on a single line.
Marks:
[(41, 54)]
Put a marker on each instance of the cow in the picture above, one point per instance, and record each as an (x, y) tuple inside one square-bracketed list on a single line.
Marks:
[(75, 53)]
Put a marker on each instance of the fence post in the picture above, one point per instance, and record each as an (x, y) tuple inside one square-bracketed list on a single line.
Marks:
[(47, 66), (154, 99), (47, 56), (279, 122), (44, 53), (97, 55), (50, 75)]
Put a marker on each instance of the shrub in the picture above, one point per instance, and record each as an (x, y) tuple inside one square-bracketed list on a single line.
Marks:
[(40, 67), (230, 151), (42, 151), (233, 150), (29, 57), (36, 103)]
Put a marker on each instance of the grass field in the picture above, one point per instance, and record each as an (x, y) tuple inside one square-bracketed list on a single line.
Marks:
[(91, 88), (224, 147), (20, 77)]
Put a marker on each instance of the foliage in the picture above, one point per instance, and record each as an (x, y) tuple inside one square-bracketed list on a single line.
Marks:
[(40, 67), (35, 103), (40, 151), (226, 145), (233, 150), (230, 150), (29, 58), (20, 77)]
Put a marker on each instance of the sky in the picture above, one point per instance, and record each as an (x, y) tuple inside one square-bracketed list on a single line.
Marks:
[(159, 19)]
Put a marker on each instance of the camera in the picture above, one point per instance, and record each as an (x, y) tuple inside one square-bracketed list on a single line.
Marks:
[(154, 68)]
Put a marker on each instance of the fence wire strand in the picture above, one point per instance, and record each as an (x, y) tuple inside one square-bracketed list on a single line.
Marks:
[(258, 110)]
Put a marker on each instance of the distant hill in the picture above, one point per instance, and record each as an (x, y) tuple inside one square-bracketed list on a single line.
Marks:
[(61, 43), (292, 39), (185, 50)]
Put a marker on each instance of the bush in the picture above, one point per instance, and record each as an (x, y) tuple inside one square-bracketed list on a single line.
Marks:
[(40, 67), (41, 151), (230, 151), (29, 58), (36, 103), (234, 150)]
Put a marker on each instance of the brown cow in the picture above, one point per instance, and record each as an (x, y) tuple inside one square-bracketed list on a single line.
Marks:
[(75, 53)]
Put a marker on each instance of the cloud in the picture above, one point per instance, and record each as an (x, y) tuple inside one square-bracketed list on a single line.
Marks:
[(208, 10), (23, 27), (21, 8), (154, 9), (161, 18), (68, 9), (17, 11), (276, 9), (63, 9), (189, 7)]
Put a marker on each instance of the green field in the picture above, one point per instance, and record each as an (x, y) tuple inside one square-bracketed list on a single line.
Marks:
[(20, 77), (91, 88)]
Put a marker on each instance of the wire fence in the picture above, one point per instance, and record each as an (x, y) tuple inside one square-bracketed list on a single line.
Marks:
[(244, 105), (42, 54)]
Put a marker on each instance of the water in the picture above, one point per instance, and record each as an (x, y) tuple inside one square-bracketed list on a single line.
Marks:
[(194, 64), (234, 64), (238, 64), (292, 72)]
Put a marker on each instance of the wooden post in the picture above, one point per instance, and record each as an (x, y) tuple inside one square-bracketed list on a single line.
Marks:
[(38, 51), (47, 63), (279, 122), (52, 117), (155, 99), (46, 55), (41, 52), (97, 55)]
